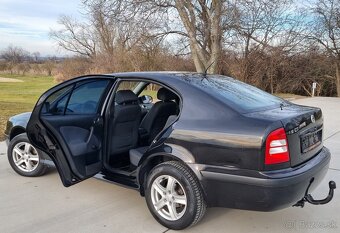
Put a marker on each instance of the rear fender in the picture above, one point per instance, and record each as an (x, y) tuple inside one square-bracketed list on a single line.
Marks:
[(154, 156)]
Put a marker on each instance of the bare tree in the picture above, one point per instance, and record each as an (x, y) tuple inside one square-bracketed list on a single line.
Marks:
[(24, 67), (257, 41), (267, 28), (49, 65), (14, 56), (126, 23), (203, 23), (36, 57), (327, 32), (76, 37)]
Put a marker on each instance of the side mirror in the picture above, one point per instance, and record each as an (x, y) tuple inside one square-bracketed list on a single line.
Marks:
[(146, 99)]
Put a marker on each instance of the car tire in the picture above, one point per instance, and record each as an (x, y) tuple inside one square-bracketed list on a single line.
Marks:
[(24, 158), (178, 185)]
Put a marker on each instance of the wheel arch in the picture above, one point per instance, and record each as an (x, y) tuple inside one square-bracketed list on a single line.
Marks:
[(15, 131), (151, 160), (148, 164)]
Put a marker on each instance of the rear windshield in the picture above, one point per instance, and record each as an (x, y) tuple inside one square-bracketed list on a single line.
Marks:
[(239, 95)]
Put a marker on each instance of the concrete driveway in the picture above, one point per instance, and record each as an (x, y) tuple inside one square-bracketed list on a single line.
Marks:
[(43, 205)]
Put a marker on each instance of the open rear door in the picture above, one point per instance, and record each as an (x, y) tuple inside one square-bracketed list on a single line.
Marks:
[(67, 124)]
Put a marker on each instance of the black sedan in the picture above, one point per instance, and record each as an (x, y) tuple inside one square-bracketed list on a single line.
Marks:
[(205, 141)]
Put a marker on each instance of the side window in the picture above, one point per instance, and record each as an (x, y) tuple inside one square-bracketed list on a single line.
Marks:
[(127, 85), (151, 90), (85, 98), (56, 103)]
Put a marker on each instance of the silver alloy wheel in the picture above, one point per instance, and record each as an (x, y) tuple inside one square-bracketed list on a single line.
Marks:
[(25, 157), (168, 197)]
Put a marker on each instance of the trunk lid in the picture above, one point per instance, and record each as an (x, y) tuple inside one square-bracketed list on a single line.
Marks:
[(303, 126)]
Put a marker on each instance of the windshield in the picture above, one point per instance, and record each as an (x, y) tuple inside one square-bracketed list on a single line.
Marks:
[(238, 95)]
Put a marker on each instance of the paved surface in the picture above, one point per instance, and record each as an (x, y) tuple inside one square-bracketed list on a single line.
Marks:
[(43, 205)]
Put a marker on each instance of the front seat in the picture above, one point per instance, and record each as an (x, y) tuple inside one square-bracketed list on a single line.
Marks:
[(158, 115), (125, 124)]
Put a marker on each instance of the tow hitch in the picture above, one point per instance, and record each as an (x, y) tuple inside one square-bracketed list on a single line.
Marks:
[(308, 197)]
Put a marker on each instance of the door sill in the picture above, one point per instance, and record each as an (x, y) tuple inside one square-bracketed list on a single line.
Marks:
[(121, 180)]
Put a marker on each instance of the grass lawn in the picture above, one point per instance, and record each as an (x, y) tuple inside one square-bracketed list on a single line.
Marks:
[(18, 97)]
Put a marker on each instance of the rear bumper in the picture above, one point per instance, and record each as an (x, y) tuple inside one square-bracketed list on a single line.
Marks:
[(263, 191)]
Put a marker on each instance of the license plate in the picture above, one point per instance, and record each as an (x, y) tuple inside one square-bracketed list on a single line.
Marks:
[(310, 141)]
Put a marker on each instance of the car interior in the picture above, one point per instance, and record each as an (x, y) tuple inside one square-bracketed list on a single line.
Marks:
[(136, 119)]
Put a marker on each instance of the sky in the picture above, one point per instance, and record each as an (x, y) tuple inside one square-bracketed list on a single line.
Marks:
[(27, 23)]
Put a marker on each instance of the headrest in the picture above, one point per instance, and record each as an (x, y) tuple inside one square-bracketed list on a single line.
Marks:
[(125, 96), (165, 95)]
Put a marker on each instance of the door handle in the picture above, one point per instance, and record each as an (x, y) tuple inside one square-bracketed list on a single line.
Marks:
[(90, 135)]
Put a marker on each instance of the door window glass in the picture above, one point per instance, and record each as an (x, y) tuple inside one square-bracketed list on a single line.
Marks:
[(86, 97), (56, 103), (128, 85), (151, 89)]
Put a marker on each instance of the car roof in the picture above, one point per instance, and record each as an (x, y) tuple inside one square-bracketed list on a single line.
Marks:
[(151, 73), (158, 75)]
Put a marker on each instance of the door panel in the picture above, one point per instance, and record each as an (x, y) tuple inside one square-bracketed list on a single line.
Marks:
[(67, 124), (76, 135)]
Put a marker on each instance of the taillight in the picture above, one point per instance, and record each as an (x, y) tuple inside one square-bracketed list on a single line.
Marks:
[(276, 147)]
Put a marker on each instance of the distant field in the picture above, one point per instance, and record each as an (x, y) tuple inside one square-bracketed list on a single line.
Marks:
[(20, 96)]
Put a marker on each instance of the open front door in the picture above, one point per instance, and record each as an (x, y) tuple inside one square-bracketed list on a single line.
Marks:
[(67, 124)]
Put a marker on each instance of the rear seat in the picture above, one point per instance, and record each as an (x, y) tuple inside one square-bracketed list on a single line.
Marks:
[(137, 153)]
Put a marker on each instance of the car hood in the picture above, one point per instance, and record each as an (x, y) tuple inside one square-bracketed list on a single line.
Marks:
[(20, 119)]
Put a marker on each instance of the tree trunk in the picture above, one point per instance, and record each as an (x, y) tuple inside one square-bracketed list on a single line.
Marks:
[(337, 75), (200, 68), (271, 84), (202, 56), (245, 61), (215, 37)]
